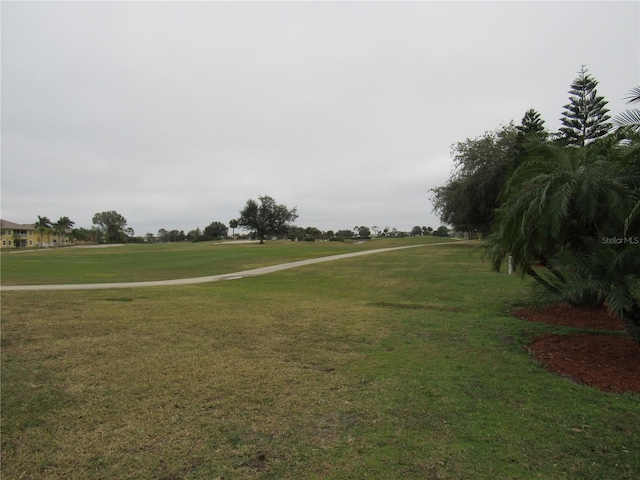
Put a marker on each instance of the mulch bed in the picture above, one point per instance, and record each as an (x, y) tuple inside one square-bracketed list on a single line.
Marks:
[(609, 362)]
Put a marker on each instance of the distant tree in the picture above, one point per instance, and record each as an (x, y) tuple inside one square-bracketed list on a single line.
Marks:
[(481, 167), (233, 224), (376, 230), (442, 231), (344, 233), (266, 217), (112, 226), (43, 225), (84, 234), (585, 117), (629, 119), (171, 236), (364, 232), (194, 235), (80, 234), (94, 234), (215, 231), (296, 233), (416, 231), (313, 232)]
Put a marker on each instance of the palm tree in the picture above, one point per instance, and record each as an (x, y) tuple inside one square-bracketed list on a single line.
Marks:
[(575, 212), (611, 268), (553, 201), (233, 224), (61, 226), (42, 226), (629, 119)]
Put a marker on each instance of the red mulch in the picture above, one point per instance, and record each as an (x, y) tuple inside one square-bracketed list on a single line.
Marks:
[(608, 362)]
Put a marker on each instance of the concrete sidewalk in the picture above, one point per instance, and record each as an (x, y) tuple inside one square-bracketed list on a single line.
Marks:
[(212, 278)]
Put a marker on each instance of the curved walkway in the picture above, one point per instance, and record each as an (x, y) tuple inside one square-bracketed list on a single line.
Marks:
[(212, 278)]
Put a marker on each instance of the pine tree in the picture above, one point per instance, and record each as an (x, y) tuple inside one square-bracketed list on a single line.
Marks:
[(532, 124), (585, 117), (530, 132)]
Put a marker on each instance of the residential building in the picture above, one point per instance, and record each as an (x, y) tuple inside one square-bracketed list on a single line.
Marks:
[(26, 235)]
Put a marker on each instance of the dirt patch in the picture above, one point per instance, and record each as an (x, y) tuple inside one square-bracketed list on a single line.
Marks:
[(608, 361)]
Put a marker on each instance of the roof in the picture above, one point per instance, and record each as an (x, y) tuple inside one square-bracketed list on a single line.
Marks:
[(16, 226)]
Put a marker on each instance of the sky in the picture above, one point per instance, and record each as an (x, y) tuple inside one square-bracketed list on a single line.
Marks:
[(174, 114)]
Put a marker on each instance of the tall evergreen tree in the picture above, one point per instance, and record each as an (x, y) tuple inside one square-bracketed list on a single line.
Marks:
[(532, 124), (530, 131), (585, 117)]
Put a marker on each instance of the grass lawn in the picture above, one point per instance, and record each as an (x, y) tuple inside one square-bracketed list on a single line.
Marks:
[(141, 262), (399, 365)]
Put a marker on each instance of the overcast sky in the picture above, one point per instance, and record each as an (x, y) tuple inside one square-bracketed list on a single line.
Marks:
[(175, 113)]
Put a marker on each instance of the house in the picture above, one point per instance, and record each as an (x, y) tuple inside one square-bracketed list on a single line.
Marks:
[(26, 235), (18, 235)]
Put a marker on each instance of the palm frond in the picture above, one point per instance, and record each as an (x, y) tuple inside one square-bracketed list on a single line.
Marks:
[(633, 214), (629, 119), (633, 95)]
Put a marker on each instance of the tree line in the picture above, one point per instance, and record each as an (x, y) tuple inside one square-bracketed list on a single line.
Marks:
[(265, 218), (262, 218), (108, 227), (560, 207)]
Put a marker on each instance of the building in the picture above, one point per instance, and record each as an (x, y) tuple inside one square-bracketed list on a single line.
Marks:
[(26, 235)]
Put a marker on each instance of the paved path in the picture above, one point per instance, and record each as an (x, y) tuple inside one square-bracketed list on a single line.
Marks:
[(212, 278)]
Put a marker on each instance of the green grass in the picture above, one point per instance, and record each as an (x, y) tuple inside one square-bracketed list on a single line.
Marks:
[(136, 262), (388, 366)]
